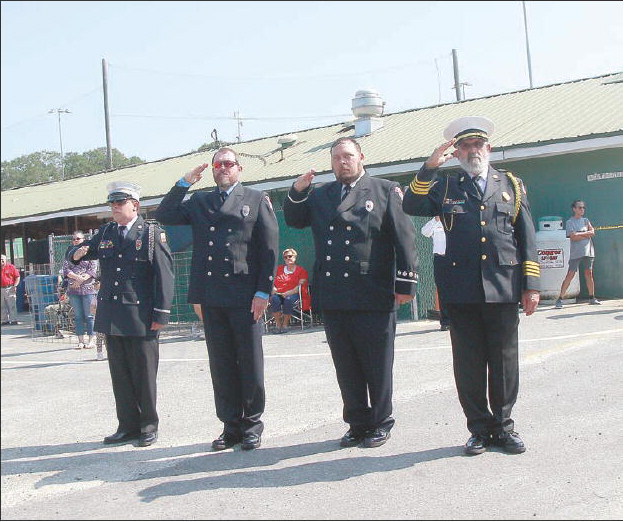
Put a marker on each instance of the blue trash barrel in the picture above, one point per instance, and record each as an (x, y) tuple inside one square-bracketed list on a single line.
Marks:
[(41, 290)]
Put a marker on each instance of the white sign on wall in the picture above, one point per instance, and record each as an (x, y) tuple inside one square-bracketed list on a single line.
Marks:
[(551, 257)]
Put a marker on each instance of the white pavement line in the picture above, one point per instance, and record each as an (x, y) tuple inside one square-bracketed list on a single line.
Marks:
[(325, 354)]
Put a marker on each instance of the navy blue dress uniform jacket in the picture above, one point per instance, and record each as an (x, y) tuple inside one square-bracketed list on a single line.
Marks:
[(235, 243), (365, 246), (136, 284), (491, 247)]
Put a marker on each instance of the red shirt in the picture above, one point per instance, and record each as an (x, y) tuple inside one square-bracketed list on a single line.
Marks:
[(284, 282), (10, 275)]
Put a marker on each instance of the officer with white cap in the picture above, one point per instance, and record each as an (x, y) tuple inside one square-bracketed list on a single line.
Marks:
[(134, 301), (490, 266)]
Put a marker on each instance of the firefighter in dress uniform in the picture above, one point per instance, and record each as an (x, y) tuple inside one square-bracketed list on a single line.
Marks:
[(490, 266), (235, 253), (134, 301), (366, 264)]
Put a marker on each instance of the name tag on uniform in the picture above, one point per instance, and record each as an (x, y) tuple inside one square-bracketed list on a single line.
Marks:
[(505, 196)]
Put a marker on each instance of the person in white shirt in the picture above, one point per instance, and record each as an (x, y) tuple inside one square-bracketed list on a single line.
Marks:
[(434, 229)]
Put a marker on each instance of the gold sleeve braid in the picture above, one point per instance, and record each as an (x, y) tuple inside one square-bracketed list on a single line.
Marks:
[(531, 268)]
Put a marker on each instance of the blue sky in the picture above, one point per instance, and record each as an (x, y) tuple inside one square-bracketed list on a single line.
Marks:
[(178, 70)]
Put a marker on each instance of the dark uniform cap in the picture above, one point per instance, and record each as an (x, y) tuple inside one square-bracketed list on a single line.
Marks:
[(122, 190), (469, 127)]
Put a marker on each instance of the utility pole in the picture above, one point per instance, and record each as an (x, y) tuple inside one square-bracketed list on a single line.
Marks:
[(239, 125), (109, 150), (527, 48), (457, 83), (58, 112)]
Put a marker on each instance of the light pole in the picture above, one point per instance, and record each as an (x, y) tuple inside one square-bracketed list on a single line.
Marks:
[(59, 111)]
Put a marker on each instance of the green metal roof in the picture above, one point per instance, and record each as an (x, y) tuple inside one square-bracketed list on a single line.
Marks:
[(565, 112)]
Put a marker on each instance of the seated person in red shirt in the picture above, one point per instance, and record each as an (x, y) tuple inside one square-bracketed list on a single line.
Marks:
[(285, 293)]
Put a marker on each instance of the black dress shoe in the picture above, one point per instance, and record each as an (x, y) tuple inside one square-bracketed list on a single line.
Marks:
[(147, 439), (121, 436), (250, 442), (376, 437), (225, 441), (476, 444), (510, 442), (5, 323), (13, 323), (351, 438), (444, 327)]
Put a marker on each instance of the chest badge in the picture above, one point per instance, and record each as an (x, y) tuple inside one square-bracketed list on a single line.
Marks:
[(138, 244), (505, 196), (368, 205), (106, 243), (245, 211)]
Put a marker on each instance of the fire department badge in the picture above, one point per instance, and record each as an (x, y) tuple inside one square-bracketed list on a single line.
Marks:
[(368, 205), (245, 211)]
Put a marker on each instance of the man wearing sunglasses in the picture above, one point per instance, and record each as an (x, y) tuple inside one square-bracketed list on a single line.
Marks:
[(366, 265), (235, 253)]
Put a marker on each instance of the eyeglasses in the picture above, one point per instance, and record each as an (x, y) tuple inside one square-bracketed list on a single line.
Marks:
[(227, 164)]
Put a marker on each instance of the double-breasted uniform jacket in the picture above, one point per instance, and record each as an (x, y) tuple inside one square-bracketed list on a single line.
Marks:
[(491, 247), (235, 243), (137, 278), (365, 245)]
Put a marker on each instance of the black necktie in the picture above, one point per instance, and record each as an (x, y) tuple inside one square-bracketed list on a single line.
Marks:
[(223, 196), (477, 185), (346, 189), (120, 230)]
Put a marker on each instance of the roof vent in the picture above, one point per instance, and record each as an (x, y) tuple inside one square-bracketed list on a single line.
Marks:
[(367, 106)]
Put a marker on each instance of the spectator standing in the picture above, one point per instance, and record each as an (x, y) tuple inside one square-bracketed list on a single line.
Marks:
[(290, 278), (582, 252), (81, 293), (134, 301), (10, 280), (235, 247), (434, 229), (366, 265), (490, 266)]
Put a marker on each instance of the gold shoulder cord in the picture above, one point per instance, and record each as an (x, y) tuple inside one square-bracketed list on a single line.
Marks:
[(517, 195), (451, 220)]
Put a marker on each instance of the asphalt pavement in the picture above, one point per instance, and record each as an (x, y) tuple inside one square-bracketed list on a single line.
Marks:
[(57, 405)]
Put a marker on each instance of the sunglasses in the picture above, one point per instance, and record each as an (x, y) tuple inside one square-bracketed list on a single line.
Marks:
[(227, 164), (288, 255)]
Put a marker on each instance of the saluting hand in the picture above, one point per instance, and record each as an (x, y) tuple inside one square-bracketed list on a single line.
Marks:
[(304, 181), (195, 175), (440, 155)]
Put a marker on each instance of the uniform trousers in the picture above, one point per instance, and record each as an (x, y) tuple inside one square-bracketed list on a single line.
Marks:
[(485, 346), (362, 345), (235, 356), (133, 363)]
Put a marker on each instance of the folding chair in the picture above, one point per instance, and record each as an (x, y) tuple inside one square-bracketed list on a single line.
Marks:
[(302, 311)]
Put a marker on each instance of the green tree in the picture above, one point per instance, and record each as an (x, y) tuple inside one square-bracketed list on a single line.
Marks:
[(45, 166)]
